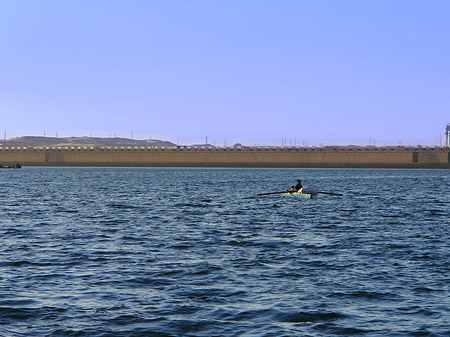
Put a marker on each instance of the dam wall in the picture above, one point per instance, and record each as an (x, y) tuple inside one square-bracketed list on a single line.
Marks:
[(382, 157)]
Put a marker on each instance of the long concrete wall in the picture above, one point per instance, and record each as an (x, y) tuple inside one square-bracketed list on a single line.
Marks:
[(227, 157)]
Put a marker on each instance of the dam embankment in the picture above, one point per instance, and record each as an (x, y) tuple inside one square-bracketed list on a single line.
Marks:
[(381, 157)]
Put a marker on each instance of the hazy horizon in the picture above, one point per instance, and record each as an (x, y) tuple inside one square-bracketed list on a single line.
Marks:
[(254, 72), (285, 143)]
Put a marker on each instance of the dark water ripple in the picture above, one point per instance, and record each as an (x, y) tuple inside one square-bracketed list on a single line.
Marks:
[(193, 252)]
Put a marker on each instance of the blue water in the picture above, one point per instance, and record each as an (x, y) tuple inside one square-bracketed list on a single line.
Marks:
[(193, 252)]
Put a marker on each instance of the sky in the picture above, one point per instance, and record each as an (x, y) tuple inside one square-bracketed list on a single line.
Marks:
[(257, 72)]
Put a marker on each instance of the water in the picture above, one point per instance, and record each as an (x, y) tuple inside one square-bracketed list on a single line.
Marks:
[(193, 252)]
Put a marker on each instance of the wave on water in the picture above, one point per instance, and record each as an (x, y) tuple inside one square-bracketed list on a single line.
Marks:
[(124, 253)]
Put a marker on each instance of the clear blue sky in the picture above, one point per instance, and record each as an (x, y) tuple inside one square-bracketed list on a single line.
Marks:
[(256, 72)]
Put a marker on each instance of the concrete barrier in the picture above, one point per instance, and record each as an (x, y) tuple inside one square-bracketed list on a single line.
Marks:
[(229, 157)]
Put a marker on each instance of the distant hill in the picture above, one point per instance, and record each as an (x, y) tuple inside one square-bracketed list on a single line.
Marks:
[(82, 141)]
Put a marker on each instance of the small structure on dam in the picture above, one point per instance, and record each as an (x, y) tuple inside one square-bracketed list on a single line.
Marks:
[(447, 136)]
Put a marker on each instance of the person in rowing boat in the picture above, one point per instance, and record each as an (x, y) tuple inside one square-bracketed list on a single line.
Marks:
[(297, 187)]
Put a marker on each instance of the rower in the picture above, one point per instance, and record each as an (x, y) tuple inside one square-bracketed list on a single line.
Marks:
[(297, 187)]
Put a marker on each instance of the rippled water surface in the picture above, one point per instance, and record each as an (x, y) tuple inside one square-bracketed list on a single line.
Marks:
[(193, 252)]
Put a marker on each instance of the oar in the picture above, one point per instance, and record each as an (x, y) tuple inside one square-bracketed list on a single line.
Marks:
[(273, 193), (341, 195)]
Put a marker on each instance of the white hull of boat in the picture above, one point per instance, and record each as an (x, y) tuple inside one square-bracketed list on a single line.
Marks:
[(304, 193), (297, 195)]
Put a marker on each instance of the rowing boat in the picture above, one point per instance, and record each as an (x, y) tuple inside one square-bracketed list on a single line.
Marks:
[(303, 193)]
